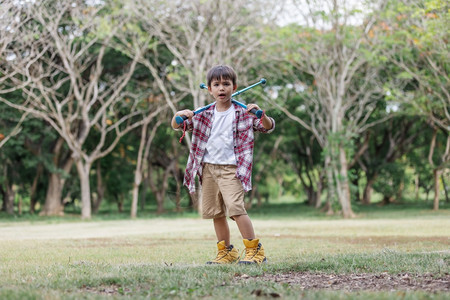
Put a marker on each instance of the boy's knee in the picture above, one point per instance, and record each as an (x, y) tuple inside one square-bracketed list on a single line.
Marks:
[(237, 216)]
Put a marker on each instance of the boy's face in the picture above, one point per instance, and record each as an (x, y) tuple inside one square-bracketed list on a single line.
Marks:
[(222, 89)]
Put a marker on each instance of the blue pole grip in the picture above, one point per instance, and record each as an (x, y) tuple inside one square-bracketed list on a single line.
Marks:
[(258, 113), (180, 119)]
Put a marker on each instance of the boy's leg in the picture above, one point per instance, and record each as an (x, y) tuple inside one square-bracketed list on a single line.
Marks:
[(222, 230), (245, 226), (226, 253), (213, 208), (254, 251)]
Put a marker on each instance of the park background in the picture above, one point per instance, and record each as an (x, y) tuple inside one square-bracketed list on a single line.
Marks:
[(350, 192), (359, 92)]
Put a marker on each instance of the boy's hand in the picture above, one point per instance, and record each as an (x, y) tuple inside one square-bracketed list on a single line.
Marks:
[(188, 113), (266, 122), (252, 106)]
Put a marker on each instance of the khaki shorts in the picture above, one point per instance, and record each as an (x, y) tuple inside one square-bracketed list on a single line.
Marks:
[(222, 192)]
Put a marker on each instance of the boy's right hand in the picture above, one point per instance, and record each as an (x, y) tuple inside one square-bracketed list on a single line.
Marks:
[(187, 113)]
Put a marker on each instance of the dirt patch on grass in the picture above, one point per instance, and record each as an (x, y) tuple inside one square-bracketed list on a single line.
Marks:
[(358, 281), (108, 290)]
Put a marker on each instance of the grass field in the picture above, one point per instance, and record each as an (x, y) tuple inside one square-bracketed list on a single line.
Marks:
[(310, 257)]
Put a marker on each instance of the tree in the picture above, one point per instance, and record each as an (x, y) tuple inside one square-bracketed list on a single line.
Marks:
[(60, 64), (8, 24), (145, 143), (334, 62), (417, 43), (300, 150), (201, 34), (388, 142)]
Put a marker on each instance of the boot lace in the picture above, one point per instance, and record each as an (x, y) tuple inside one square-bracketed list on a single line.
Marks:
[(221, 254), (250, 253)]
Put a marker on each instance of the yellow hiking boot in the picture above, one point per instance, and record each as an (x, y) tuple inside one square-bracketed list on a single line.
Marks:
[(225, 255), (254, 252)]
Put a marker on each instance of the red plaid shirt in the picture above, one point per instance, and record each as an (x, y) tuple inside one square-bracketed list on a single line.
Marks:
[(243, 127)]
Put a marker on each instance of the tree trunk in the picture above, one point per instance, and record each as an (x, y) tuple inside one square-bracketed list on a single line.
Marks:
[(355, 182), (280, 180), (19, 205), (311, 194), (436, 174), (53, 200), (83, 172), (177, 175), (387, 200), (9, 201), (33, 189), (320, 184), (162, 194), (159, 183), (53, 204), (120, 201), (8, 193), (445, 187), (318, 195), (327, 208), (144, 192), (343, 187), (100, 189), (134, 201), (331, 194), (307, 185), (367, 195), (399, 194), (416, 187), (138, 172), (3, 193), (160, 203)]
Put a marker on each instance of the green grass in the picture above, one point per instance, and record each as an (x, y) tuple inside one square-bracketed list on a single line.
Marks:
[(374, 211), (162, 257)]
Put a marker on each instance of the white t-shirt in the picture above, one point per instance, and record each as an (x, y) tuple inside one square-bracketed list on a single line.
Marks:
[(220, 145)]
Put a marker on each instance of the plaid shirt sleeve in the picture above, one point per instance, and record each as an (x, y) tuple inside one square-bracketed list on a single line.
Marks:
[(244, 140), (200, 126)]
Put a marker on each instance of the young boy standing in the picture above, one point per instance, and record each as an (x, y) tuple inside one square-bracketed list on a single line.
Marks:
[(222, 155)]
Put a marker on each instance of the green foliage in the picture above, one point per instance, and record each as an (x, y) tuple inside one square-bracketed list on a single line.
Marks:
[(118, 171), (408, 45), (419, 35), (391, 177)]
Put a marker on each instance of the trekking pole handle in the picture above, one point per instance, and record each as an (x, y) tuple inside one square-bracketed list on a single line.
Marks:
[(180, 119)]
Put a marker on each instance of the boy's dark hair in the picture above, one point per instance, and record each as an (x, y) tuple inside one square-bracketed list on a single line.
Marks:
[(221, 72)]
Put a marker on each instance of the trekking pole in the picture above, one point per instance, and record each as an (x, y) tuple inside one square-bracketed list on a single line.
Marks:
[(258, 113)]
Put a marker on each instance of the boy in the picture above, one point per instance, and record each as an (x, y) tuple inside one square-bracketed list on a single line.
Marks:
[(221, 155)]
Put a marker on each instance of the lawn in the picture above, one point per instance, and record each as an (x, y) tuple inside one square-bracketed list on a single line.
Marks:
[(405, 255)]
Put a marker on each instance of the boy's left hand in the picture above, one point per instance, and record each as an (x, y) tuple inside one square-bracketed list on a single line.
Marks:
[(252, 106), (266, 122)]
